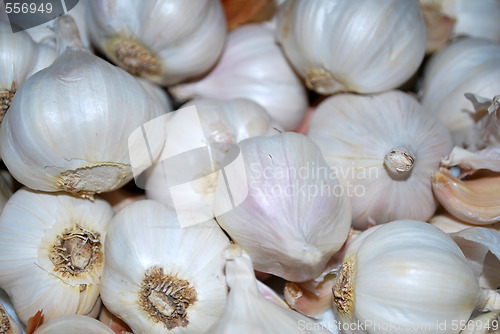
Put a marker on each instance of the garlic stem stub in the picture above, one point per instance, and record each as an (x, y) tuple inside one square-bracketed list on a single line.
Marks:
[(160, 277), (352, 46), (292, 214), (165, 42), (405, 276), (52, 252), (385, 149), (247, 311), (68, 126)]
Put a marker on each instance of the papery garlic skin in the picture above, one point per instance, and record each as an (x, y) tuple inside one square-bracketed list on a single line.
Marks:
[(471, 65), (381, 144), (161, 277), (73, 324), (247, 311), (163, 41), (404, 277), (20, 57), (68, 127), (356, 46), (252, 66), (52, 252), (224, 123), (295, 215)]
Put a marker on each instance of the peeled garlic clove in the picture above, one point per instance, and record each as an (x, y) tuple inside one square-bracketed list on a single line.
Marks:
[(52, 252), (69, 125), (163, 41), (73, 324), (20, 57), (7, 324), (223, 124), (474, 201), (252, 66), (405, 276), (381, 144), (470, 65), (161, 277), (379, 46), (289, 213), (247, 311)]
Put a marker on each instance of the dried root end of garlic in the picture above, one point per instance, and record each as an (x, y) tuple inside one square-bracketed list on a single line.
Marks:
[(93, 178), (166, 298), (76, 252), (6, 96), (324, 82), (5, 325), (343, 288), (134, 57)]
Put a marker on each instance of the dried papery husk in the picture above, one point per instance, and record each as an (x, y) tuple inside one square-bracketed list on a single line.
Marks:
[(392, 274), (52, 253), (311, 297), (290, 213), (219, 124), (7, 324), (484, 323), (73, 324), (470, 65), (252, 66), (486, 132), (163, 41), (240, 12), (381, 144), (379, 46), (247, 311), (171, 279), (69, 125)]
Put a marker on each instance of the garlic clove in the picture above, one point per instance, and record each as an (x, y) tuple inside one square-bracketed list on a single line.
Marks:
[(52, 253), (240, 12), (289, 213), (171, 278), (439, 26), (247, 311), (109, 319), (450, 224), (73, 324), (7, 323), (474, 201), (310, 298)]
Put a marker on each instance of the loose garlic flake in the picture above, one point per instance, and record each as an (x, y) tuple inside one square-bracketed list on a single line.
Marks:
[(52, 253)]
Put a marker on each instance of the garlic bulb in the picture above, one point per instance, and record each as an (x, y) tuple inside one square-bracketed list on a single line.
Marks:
[(51, 252), (405, 276), (247, 311), (295, 214), (68, 126), (163, 41), (7, 324), (252, 66), (471, 65), (381, 144), (468, 18), (161, 277), (357, 46), (223, 124), (20, 57), (73, 324)]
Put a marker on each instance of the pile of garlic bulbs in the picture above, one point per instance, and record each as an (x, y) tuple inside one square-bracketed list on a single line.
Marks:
[(241, 166)]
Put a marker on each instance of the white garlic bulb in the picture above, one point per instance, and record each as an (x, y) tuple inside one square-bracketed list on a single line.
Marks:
[(52, 252), (252, 66), (163, 41), (20, 57), (68, 126), (357, 46), (7, 323), (471, 65), (295, 214), (73, 324), (161, 277), (405, 276), (382, 144), (247, 311), (223, 124)]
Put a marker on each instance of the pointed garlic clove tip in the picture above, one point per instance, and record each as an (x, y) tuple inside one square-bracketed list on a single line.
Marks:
[(310, 300), (474, 201)]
